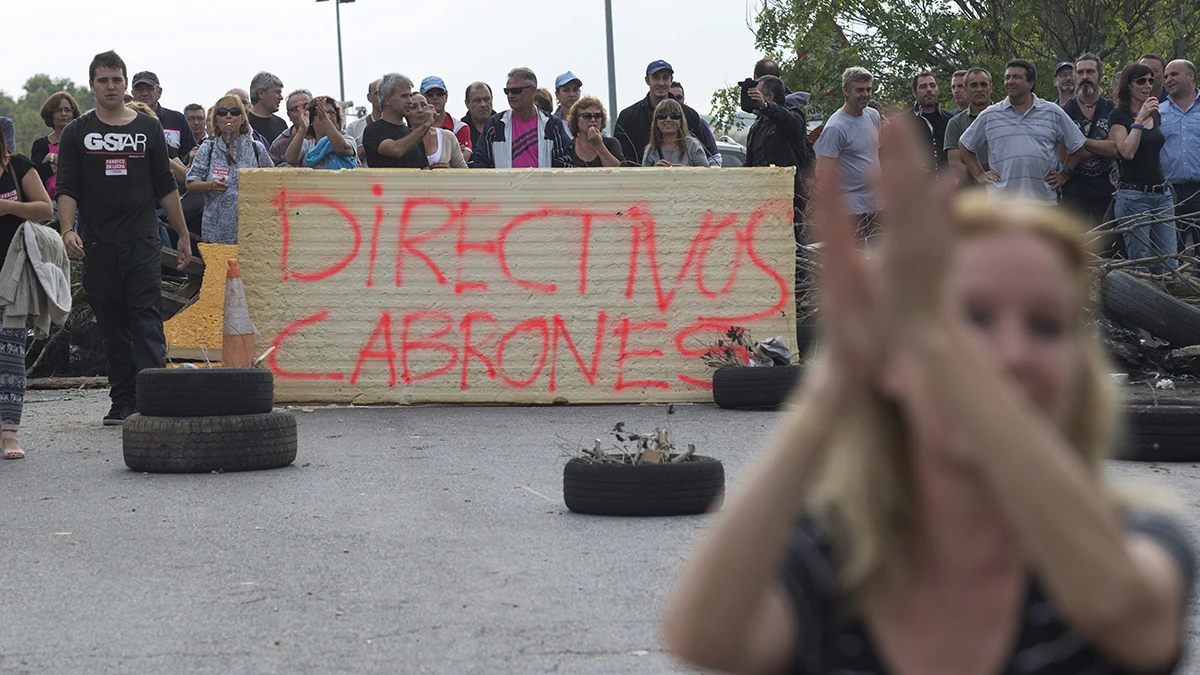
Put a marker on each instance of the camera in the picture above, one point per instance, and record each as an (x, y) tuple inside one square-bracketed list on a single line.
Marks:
[(748, 104)]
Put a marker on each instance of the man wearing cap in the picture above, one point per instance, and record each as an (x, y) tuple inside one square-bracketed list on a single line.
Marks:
[(1064, 82), (434, 89), (633, 124), (175, 126), (566, 90)]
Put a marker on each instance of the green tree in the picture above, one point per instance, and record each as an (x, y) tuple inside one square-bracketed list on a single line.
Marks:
[(26, 112), (814, 40)]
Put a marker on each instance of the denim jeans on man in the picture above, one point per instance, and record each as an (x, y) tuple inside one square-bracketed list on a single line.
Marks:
[(1145, 242)]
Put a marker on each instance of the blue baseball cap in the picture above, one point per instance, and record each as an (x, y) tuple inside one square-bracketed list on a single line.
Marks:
[(432, 82), (656, 66), (1064, 64), (566, 78)]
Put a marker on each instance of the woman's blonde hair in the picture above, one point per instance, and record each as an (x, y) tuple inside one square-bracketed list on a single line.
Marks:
[(581, 105), (229, 101), (142, 108), (866, 496), (667, 106)]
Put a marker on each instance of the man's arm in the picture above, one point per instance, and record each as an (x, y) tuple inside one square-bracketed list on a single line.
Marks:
[(174, 209), (403, 146)]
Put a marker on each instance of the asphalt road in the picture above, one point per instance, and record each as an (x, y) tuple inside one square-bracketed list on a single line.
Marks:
[(403, 540)]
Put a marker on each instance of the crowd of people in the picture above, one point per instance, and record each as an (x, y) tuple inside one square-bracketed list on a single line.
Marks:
[(1135, 155), (935, 500)]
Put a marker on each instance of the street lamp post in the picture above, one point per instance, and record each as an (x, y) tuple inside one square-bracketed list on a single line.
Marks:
[(612, 70), (337, 12)]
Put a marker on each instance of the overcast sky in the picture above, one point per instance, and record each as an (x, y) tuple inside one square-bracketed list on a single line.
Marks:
[(201, 49)]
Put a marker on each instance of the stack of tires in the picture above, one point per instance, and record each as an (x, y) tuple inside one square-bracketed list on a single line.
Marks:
[(200, 420)]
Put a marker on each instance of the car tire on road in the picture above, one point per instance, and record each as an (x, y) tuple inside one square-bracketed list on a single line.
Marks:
[(205, 444), (604, 489), (745, 388), (204, 392), (1137, 303), (1162, 433)]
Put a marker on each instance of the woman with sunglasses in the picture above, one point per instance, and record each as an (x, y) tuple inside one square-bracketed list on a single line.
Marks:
[(214, 171), (58, 111), (1136, 129), (586, 120), (671, 143)]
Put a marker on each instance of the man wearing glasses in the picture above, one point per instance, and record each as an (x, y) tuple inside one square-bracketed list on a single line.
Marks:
[(522, 137), (434, 89)]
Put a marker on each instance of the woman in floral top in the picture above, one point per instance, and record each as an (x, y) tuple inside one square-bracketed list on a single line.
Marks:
[(214, 171)]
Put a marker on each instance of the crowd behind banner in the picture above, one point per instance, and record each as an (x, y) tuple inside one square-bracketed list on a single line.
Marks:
[(1133, 154)]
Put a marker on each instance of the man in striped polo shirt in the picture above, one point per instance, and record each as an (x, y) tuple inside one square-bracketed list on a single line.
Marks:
[(1022, 134)]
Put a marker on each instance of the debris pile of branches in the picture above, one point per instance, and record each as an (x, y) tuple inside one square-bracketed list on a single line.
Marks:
[(656, 447)]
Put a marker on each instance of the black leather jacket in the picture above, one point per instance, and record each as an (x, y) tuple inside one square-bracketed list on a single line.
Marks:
[(780, 138)]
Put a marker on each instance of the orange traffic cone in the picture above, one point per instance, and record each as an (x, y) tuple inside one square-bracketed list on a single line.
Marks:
[(237, 334)]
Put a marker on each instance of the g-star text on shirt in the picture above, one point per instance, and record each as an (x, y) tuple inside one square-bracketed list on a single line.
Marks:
[(115, 142)]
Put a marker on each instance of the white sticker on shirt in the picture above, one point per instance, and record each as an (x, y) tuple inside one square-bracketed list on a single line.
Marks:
[(172, 136), (116, 166), (10, 196), (220, 172)]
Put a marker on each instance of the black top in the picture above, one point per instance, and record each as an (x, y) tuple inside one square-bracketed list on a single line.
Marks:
[(609, 142), (934, 124), (633, 129), (269, 127), (382, 130), (1094, 171), (1145, 167), (9, 192), (834, 642), (177, 131), (41, 148), (466, 119), (117, 174)]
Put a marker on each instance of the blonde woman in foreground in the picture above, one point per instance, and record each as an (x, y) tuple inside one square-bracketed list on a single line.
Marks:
[(934, 502)]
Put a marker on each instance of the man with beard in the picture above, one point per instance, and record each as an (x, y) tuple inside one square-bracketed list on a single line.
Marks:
[(1089, 186), (925, 90), (1064, 82)]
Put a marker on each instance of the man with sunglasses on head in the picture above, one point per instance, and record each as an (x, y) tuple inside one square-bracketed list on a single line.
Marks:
[(522, 137), (634, 122), (113, 170)]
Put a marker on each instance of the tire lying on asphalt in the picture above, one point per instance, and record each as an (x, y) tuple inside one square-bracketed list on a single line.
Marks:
[(1137, 303), (203, 392), (746, 388), (1162, 433), (205, 444), (605, 489)]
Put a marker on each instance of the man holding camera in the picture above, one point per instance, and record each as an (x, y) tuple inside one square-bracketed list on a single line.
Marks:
[(780, 135)]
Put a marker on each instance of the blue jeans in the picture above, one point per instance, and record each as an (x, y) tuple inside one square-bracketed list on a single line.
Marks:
[(1147, 241)]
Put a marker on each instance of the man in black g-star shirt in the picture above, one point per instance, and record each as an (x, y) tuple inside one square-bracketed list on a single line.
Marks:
[(112, 170)]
